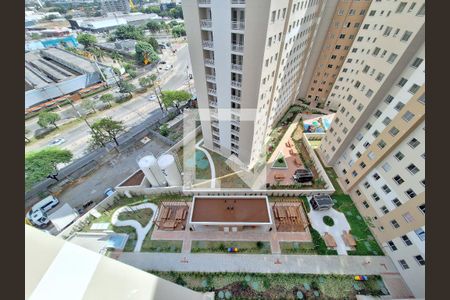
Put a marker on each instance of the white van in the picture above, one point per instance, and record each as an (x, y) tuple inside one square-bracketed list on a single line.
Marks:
[(38, 213)]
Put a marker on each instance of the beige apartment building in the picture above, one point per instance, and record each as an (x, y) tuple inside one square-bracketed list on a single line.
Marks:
[(249, 58), (376, 143), (347, 19)]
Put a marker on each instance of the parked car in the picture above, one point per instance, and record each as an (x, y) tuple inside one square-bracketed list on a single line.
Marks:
[(152, 97), (38, 213), (168, 67), (162, 62), (57, 142), (162, 46), (109, 191)]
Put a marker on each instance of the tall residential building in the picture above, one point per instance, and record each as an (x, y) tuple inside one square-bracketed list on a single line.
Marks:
[(376, 142), (116, 5), (249, 59), (347, 19)]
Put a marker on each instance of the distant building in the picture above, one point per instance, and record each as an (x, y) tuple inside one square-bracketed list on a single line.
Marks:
[(111, 21), (51, 42), (115, 5)]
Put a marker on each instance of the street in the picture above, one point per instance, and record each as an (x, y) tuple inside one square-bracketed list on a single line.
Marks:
[(131, 112)]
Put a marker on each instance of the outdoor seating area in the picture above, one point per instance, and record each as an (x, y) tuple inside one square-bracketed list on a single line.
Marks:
[(172, 216), (348, 239), (289, 217), (330, 242)]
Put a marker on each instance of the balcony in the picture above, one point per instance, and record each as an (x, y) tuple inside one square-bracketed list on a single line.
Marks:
[(236, 84), (204, 2), (212, 92), (237, 1), (237, 25), (212, 104), (235, 123), (237, 48), (205, 24), (209, 62), (235, 149), (236, 67), (234, 131), (208, 44), (235, 98), (214, 112), (211, 78)]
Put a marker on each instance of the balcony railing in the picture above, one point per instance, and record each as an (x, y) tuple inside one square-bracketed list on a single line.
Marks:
[(213, 104), (206, 23), (209, 62), (235, 123), (237, 47), (212, 92), (211, 77), (236, 98), (234, 148), (234, 131), (237, 1), (236, 67), (204, 2), (208, 44), (236, 84), (237, 25)]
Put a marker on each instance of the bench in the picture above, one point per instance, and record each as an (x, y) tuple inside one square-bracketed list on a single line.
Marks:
[(279, 177)]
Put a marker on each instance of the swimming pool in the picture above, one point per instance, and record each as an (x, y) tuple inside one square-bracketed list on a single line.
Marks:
[(117, 241)]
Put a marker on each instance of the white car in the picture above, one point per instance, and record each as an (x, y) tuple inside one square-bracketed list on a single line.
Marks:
[(57, 142), (152, 97), (168, 67)]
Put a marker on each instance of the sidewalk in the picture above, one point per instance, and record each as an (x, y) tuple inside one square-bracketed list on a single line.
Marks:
[(259, 263)]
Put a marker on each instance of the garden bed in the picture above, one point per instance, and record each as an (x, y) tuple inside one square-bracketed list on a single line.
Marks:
[(276, 286), (222, 247), (297, 248), (143, 216), (280, 162), (150, 245)]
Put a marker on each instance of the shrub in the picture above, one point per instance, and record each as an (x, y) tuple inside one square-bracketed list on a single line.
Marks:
[(164, 130), (328, 221), (259, 244), (180, 281)]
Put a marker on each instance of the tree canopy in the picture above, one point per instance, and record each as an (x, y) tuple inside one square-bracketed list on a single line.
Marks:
[(88, 104), (86, 39), (153, 26), (47, 118), (143, 47), (173, 98), (107, 98), (178, 30), (107, 129), (126, 87), (39, 165), (124, 32)]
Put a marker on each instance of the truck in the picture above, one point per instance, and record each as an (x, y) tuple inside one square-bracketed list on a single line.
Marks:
[(38, 213)]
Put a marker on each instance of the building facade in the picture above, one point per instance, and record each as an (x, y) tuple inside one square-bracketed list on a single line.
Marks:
[(249, 58), (376, 143), (116, 5), (347, 19)]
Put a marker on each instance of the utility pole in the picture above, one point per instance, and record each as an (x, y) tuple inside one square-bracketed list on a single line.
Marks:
[(157, 97), (188, 79)]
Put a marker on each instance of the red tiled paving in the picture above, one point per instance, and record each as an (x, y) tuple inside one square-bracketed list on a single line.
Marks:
[(396, 286)]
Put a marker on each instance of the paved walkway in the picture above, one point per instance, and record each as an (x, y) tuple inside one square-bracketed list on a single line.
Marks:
[(141, 232), (260, 263), (211, 163)]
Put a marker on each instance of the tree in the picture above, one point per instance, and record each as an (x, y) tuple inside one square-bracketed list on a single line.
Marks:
[(108, 128), (88, 104), (116, 56), (178, 31), (126, 87), (143, 48), (46, 118), (164, 130), (124, 32), (27, 131), (107, 98), (51, 17), (176, 12), (86, 39), (145, 81), (97, 140), (152, 41), (42, 164), (173, 98), (152, 10), (153, 26)]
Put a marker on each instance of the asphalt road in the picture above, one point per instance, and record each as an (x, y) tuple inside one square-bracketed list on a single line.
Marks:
[(131, 112)]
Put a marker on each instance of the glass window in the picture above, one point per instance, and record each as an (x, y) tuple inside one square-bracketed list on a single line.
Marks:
[(413, 143), (398, 179), (395, 224), (411, 194), (384, 209), (406, 240), (419, 259), (413, 169), (417, 62), (403, 264), (420, 234), (422, 208), (386, 189), (376, 176), (413, 89), (406, 36), (396, 202), (407, 116), (392, 58), (399, 155), (394, 131), (375, 197), (402, 82), (408, 217), (400, 7), (392, 246), (399, 106)]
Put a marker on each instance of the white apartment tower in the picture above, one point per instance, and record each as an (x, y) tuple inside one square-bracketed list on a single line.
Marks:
[(376, 142), (249, 58)]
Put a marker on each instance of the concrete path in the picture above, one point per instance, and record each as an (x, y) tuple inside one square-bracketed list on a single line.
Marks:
[(340, 224), (260, 263), (141, 232), (211, 163)]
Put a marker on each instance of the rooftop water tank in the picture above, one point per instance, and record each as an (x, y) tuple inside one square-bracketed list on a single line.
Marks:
[(169, 168), (149, 166)]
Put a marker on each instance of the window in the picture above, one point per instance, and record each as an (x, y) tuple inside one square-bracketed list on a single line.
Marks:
[(384, 209), (358, 192), (368, 126), (366, 205), (362, 164), (388, 99), (411, 194), (274, 13), (413, 89), (386, 121), (413, 143), (381, 144), (376, 133), (375, 197), (420, 234), (342, 36), (362, 12), (411, 7), (354, 174), (417, 62), (369, 93), (378, 113), (270, 41), (376, 176), (366, 69), (402, 82), (419, 259), (366, 145), (386, 189), (406, 240), (372, 13), (408, 217), (395, 224), (422, 208), (399, 106), (413, 169), (407, 116), (359, 136), (398, 179), (387, 31), (371, 155), (340, 12), (421, 11), (376, 51), (400, 7), (406, 36), (392, 246), (394, 131), (347, 181), (396, 202), (403, 264), (386, 167), (380, 76), (392, 58), (399, 155), (366, 185)]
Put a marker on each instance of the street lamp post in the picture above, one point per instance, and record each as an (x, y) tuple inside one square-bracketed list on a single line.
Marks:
[(157, 97), (188, 79)]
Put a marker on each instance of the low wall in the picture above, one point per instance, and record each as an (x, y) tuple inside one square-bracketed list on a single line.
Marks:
[(316, 160)]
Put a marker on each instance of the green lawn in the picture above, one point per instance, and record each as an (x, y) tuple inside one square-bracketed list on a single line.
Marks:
[(143, 216), (280, 162), (222, 246), (275, 286), (297, 248), (222, 169)]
